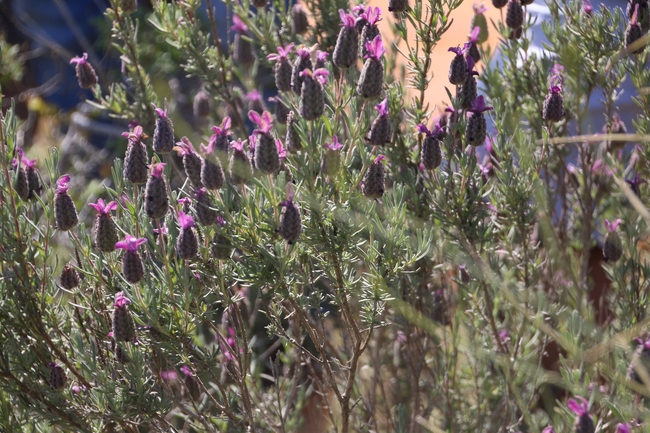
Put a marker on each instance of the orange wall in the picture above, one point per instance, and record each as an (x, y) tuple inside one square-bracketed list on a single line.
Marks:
[(456, 35)]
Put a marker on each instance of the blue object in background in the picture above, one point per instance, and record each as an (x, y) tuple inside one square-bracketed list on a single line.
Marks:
[(55, 41)]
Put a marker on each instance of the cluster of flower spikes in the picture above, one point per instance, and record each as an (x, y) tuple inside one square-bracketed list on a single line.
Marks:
[(358, 37), (26, 181), (461, 73)]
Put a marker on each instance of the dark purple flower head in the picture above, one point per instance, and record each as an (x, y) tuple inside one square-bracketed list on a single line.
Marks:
[(459, 51), (282, 151), (382, 107), (130, 243), (121, 300), (238, 145), (635, 181), (478, 106), (157, 169), (135, 136), (375, 48), (264, 122), (348, 20), (184, 147), (473, 37), (80, 60), (611, 226), (623, 428), (238, 25), (321, 55), (283, 53), (62, 184), (579, 409), (372, 15), (161, 113), (304, 53), (185, 221), (104, 208), (336, 145)]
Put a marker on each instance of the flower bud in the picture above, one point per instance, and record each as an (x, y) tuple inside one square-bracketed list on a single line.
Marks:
[(123, 324), (156, 200), (69, 277), (85, 72), (57, 378)]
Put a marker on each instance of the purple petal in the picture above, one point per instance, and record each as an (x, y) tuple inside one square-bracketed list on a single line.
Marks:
[(382, 107), (121, 300), (423, 129), (473, 37), (80, 60), (185, 221)]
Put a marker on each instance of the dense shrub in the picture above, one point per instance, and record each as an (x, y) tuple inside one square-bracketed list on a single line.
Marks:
[(351, 264)]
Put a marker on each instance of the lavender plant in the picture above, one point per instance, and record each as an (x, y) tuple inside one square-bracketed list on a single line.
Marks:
[(354, 268)]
